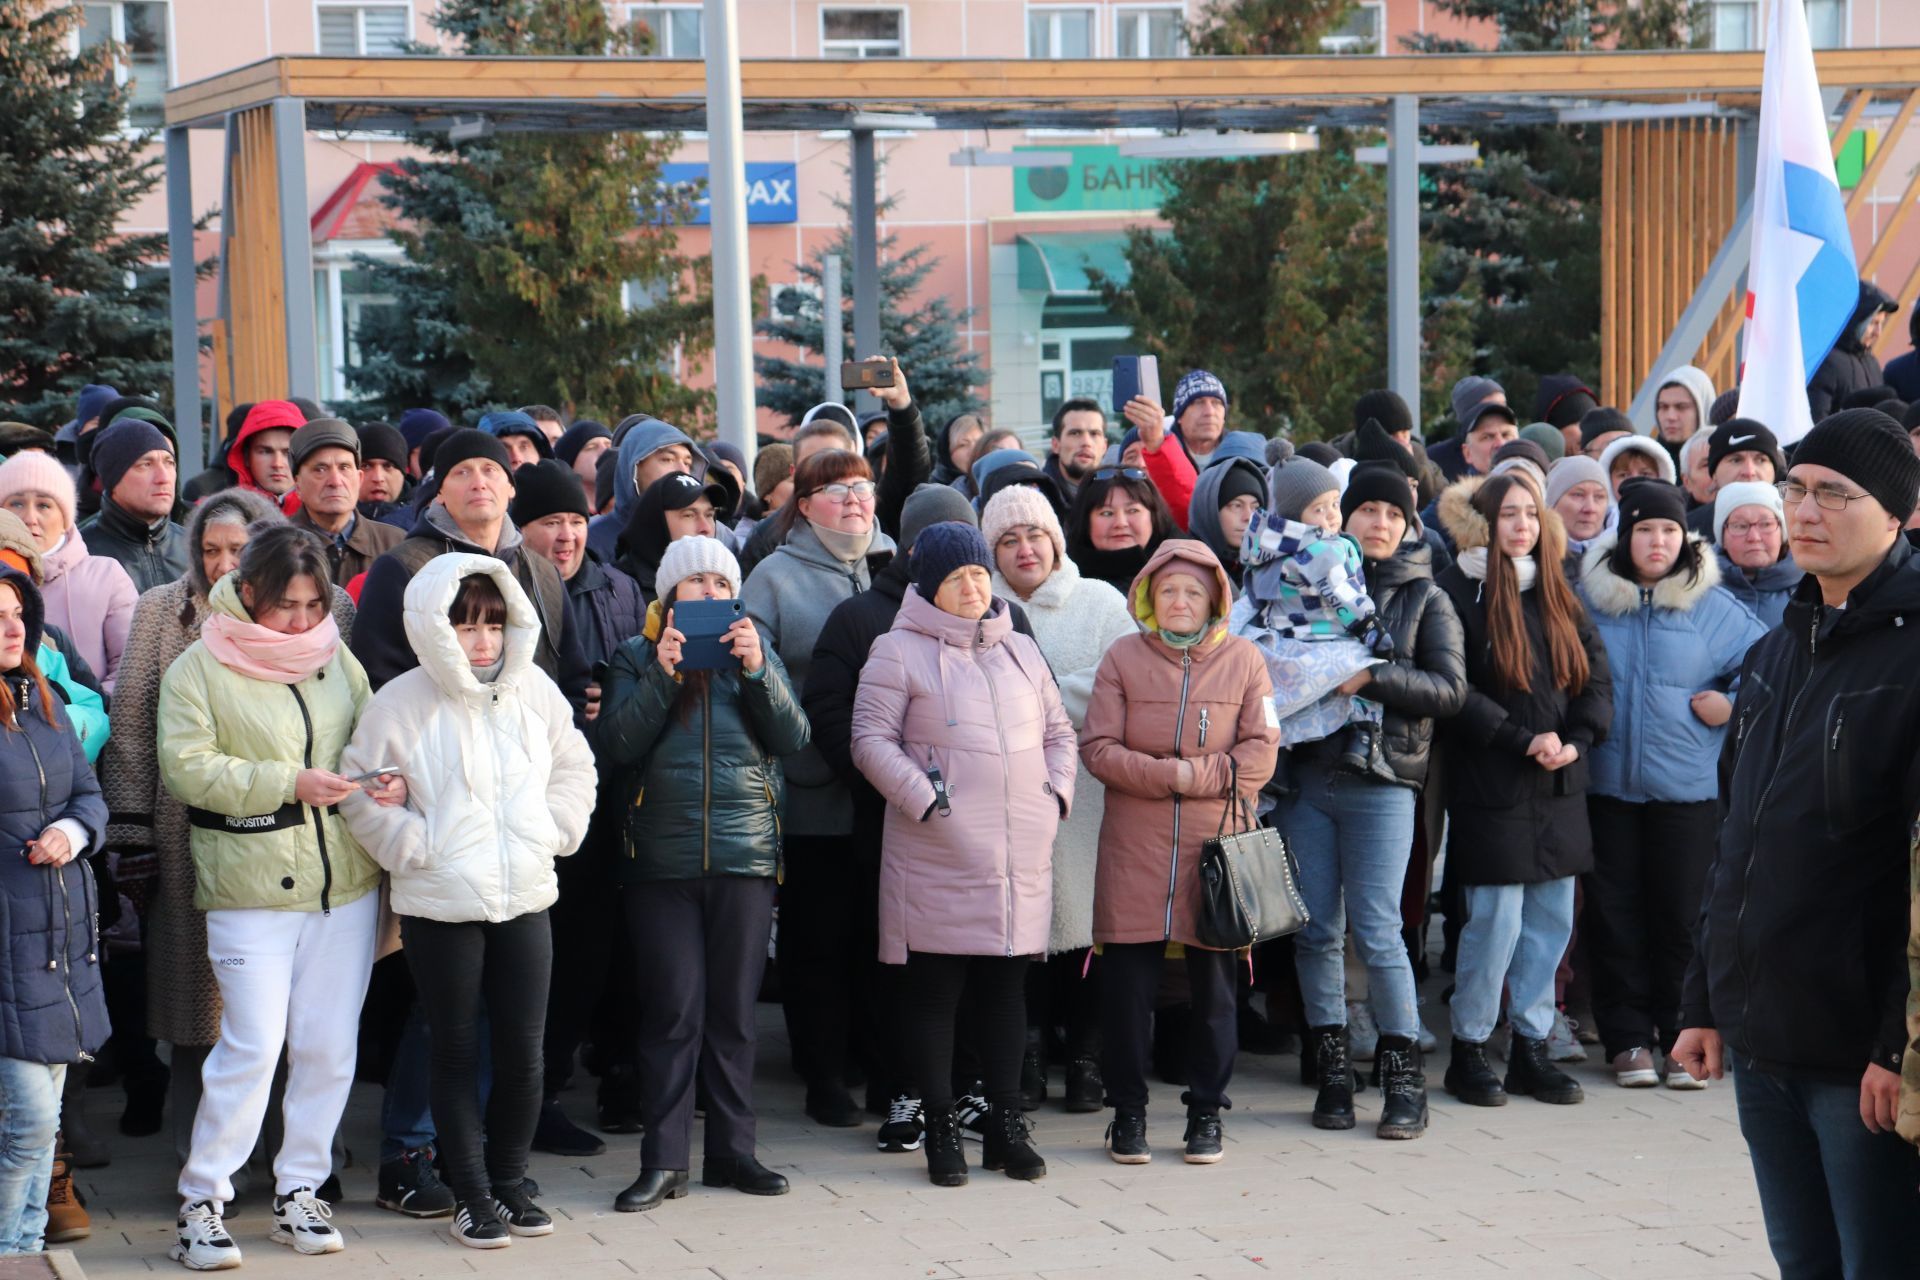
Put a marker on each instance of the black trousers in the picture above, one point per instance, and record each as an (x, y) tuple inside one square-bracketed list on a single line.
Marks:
[(455, 967), (1127, 989), (587, 928), (1064, 1004), (829, 935), (1643, 896), (700, 948), (996, 988)]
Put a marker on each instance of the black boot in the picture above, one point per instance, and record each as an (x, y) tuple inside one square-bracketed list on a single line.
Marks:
[(829, 1104), (1403, 1089), (651, 1189), (146, 1087), (1009, 1149), (946, 1162), (742, 1173), (620, 1100), (1033, 1071), (1333, 1108), (1085, 1088), (558, 1136), (1530, 1073), (1470, 1077)]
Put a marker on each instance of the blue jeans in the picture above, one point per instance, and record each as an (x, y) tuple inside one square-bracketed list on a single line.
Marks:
[(1352, 837), (1514, 937), (1838, 1200), (29, 1119), (406, 1112)]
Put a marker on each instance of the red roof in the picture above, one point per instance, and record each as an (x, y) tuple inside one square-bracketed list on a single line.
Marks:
[(353, 213)]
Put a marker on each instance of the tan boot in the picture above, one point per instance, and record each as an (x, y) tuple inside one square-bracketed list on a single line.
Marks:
[(67, 1218)]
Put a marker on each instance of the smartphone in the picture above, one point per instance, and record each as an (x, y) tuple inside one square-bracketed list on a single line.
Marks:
[(703, 623), (373, 775), (1135, 376), (865, 375)]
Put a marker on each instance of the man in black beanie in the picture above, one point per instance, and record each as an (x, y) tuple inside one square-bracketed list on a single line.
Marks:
[(1799, 976), (383, 468)]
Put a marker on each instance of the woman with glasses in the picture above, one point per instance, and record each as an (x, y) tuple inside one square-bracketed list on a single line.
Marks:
[(830, 548), (1750, 538), (1675, 642), (1117, 521)]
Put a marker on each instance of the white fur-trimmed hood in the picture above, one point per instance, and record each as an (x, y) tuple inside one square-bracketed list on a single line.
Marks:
[(1613, 595)]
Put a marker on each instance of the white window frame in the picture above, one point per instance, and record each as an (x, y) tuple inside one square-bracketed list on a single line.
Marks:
[(1346, 44), (1054, 12), (1759, 11), (1128, 10), (905, 32), (629, 10), (359, 8), (332, 260), (122, 73)]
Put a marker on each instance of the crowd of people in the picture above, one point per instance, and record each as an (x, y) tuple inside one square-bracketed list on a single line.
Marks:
[(473, 759)]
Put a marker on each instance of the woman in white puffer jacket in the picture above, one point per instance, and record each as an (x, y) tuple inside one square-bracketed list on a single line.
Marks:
[(500, 783)]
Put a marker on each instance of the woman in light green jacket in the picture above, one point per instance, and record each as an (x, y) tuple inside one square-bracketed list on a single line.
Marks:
[(252, 719)]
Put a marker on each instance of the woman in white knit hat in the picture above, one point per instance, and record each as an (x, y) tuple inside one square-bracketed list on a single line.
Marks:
[(1750, 535), (1075, 619)]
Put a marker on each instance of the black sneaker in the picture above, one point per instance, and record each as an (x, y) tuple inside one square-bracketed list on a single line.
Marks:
[(516, 1208), (905, 1125), (409, 1185), (946, 1162), (1203, 1139), (1127, 1138), (477, 1225)]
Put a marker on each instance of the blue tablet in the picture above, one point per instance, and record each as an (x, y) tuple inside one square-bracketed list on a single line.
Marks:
[(703, 623)]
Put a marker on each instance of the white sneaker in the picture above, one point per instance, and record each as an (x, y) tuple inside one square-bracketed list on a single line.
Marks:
[(1563, 1042), (300, 1220), (1363, 1033), (1677, 1078), (203, 1244), (1633, 1069)]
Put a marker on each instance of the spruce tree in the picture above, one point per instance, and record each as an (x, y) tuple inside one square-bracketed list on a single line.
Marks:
[(538, 266), (922, 333), (80, 299)]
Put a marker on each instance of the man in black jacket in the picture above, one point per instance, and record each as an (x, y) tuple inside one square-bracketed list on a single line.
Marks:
[(1799, 978), (138, 472)]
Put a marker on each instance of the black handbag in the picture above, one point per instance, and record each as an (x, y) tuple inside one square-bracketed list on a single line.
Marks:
[(1249, 883)]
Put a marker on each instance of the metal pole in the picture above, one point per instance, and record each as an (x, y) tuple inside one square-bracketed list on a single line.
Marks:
[(1403, 251), (727, 194), (296, 245), (866, 260), (183, 317), (833, 325)]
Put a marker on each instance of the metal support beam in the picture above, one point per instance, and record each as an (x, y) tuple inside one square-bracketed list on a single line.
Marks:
[(866, 259), (1708, 300), (296, 245), (833, 326), (727, 194), (183, 318), (1403, 251)]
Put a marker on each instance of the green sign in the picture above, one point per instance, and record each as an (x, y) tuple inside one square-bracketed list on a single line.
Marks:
[(1100, 180)]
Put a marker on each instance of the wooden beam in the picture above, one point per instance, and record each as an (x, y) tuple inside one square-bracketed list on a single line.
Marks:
[(1610, 381), (1851, 121), (1895, 221), (1884, 152)]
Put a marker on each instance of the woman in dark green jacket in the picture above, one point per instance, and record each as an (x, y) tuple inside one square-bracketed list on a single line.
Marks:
[(701, 753)]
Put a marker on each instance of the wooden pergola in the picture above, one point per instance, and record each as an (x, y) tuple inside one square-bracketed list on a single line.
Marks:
[(1677, 126)]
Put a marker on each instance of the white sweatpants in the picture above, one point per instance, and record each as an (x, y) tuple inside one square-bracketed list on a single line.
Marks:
[(292, 978)]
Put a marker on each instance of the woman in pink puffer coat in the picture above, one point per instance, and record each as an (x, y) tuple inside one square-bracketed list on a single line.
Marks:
[(959, 725)]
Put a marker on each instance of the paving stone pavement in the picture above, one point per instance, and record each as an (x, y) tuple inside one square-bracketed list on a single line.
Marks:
[(1633, 1183)]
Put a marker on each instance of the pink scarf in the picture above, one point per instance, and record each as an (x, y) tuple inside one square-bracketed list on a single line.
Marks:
[(250, 649)]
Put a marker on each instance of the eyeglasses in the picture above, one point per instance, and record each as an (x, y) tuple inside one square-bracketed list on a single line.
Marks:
[(858, 491), (1794, 493), (1744, 528), (1125, 473)]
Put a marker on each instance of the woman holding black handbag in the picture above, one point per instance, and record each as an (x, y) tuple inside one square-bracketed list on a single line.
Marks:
[(1178, 710)]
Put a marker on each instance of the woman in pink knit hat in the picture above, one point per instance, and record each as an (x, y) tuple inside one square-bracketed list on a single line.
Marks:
[(89, 597)]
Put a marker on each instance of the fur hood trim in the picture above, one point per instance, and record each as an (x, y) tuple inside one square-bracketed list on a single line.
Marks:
[(1460, 518), (1614, 596)]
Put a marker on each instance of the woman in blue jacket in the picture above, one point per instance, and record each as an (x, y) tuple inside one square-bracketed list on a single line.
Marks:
[(51, 816), (1675, 639)]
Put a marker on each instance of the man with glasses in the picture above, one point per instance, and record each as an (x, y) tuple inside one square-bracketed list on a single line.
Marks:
[(1799, 979)]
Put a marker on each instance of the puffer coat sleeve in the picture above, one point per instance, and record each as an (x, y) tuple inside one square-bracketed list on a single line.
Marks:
[(191, 762)]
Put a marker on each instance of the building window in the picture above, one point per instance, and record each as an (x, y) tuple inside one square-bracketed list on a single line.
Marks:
[(344, 299), (363, 30), (1737, 24), (675, 28), (1059, 33), (1148, 33), (140, 27), (863, 33), (1364, 31)]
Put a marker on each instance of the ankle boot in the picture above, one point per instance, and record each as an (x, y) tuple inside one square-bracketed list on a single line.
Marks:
[(67, 1218), (1333, 1108), (1033, 1071), (1403, 1089), (1531, 1073), (1008, 1147), (1086, 1091), (946, 1162), (1470, 1077), (87, 1149)]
